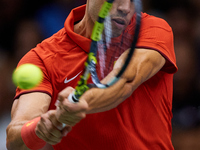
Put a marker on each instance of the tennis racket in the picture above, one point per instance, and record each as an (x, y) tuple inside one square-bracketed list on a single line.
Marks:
[(106, 46)]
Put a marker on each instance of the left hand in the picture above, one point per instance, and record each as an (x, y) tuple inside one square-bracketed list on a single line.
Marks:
[(67, 112)]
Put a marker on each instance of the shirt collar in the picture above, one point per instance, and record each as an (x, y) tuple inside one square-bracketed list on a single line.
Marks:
[(76, 15)]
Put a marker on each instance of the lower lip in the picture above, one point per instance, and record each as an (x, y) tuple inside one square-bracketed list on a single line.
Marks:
[(118, 25)]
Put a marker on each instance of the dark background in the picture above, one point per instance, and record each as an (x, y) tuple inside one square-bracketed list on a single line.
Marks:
[(24, 23)]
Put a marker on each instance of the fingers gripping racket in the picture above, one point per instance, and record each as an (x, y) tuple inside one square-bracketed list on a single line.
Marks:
[(107, 45)]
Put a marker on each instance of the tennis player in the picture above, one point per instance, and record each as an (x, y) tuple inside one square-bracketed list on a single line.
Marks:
[(134, 114)]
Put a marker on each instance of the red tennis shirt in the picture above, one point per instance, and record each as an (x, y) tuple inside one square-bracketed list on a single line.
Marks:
[(142, 121)]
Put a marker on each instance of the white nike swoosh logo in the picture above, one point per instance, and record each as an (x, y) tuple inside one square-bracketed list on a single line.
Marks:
[(67, 81)]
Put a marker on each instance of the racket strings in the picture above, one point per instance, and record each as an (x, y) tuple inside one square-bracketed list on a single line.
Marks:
[(107, 56), (110, 49)]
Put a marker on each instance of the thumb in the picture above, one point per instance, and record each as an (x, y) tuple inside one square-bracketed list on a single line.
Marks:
[(64, 95)]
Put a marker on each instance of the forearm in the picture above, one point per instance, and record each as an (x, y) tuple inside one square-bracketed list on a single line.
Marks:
[(25, 109), (144, 65), (101, 100), (36, 132), (14, 140)]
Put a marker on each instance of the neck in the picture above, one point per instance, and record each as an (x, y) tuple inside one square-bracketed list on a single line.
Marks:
[(84, 27)]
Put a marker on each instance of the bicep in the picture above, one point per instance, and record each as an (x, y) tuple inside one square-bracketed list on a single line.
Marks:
[(30, 106), (148, 63), (144, 64)]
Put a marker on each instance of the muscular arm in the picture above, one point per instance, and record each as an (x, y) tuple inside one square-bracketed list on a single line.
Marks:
[(145, 63), (27, 107), (49, 128)]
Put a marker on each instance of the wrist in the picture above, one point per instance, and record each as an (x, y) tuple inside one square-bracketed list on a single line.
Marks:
[(29, 137)]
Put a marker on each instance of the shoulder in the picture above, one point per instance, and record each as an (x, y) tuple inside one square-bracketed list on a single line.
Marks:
[(152, 21), (59, 43), (156, 34), (157, 29), (49, 50)]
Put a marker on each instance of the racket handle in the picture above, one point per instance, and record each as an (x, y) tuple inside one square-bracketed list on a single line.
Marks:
[(72, 98), (63, 125)]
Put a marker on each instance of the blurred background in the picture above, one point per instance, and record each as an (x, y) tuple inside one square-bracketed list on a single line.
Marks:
[(24, 23)]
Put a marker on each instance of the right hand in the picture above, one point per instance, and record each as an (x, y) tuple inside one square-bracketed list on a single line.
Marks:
[(50, 129)]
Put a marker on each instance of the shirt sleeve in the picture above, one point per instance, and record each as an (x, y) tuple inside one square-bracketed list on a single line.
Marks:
[(156, 34), (36, 58)]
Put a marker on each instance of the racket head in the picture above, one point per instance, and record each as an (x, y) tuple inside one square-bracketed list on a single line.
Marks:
[(107, 48), (107, 45)]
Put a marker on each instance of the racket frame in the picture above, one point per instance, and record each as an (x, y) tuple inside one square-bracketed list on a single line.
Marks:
[(90, 65)]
